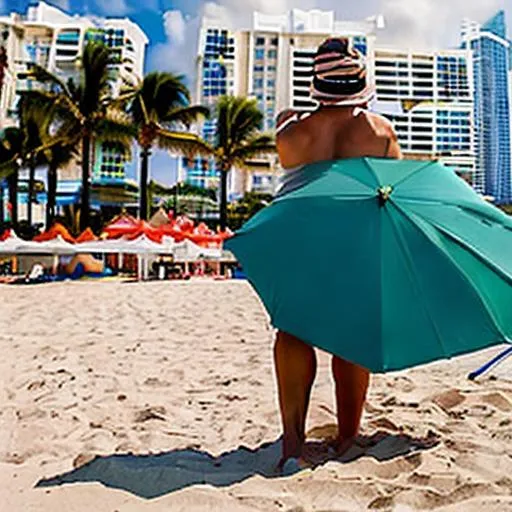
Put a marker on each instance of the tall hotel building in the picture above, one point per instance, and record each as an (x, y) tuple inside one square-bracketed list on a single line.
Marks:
[(429, 98), (492, 108), (271, 62), (53, 39)]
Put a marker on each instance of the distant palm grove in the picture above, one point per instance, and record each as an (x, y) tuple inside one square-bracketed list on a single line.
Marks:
[(60, 122)]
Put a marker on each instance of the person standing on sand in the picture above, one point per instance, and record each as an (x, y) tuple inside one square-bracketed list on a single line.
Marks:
[(340, 128)]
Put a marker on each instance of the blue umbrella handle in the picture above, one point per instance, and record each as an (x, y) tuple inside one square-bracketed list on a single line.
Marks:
[(500, 357)]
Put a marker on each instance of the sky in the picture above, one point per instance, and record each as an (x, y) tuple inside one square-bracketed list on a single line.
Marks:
[(172, 25)]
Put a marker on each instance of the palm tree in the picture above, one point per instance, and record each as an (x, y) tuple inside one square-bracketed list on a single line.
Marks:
[(31, 115), (237, 140), (85, 112), (11, 145), (158, 106)]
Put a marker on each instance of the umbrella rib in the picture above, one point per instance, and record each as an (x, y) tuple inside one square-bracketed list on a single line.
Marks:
[(372, 171), (467, 246), (459, 270), (409, 176), (410, 267)]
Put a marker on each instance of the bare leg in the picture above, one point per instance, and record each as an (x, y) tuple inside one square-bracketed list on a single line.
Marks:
[(295, 369), (351, 387)]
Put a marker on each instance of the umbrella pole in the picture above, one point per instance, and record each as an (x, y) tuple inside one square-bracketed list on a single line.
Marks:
[(498, 359), (120, 260), (55, 264)]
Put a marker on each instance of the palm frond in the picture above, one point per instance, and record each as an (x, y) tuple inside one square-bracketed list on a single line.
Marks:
[(96, 77), (42, 75), (186, 115), (258, 146), (159, 93), (184, 143), (7, 168), (116, 127)]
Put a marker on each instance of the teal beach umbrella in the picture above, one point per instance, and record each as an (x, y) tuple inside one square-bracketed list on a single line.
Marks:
[(385, 263)]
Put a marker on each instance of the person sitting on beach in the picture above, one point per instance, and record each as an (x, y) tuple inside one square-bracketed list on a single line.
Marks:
[(341, 127)]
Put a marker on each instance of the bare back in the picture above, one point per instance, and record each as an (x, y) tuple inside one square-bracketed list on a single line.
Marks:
[(336, 133)]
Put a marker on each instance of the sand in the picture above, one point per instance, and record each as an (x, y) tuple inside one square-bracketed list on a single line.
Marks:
[(165, 392)]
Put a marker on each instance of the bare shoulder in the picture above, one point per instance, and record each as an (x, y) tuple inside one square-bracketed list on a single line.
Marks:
[(381, 126)]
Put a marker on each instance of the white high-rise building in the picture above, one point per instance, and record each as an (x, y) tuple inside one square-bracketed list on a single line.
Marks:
[(429, 98), (272, 62), (47, 36)]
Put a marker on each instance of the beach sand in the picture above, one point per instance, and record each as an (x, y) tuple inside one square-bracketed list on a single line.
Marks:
[(165, 392)]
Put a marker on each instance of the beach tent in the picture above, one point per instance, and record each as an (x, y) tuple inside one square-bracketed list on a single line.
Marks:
[(190, 251), (145, 229), (5, 235), (86, 236), (57, 246), (10, 243), (159, 218), (121, 225), (56, 230)]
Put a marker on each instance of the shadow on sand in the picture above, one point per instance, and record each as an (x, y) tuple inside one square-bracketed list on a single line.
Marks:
[(150, 476)]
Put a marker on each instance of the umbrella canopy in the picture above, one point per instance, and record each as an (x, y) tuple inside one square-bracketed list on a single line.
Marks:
[(385, 263), (143, 245), (110, 246), (86, 236), (55, 246), (121, 225), (5, 235), (10, 243), (55, 231), (190, 251)]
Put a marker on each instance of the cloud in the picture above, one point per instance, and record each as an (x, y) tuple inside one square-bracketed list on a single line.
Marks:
[(178, 53), (431, 23), (409, 23), (113, 7)]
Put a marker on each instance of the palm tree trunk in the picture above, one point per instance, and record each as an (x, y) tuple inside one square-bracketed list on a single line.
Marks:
[(12, 181), (52, 195), (223, 199), (143, 186), (31, 180), (2, 213), (84, 210)]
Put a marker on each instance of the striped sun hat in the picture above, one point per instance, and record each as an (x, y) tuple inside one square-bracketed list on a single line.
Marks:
[(340, 74)]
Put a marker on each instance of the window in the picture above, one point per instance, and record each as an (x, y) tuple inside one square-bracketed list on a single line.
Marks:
[(260, 41), (258, 83), (272, 54), (274, 41), (271, 83), (259, 54)]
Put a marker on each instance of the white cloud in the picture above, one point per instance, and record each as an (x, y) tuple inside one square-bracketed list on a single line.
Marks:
[(175, 27), (113, 7), (431, 23), (178, 53), (409, 23)]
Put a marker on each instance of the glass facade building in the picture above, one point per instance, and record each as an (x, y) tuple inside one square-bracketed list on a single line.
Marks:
[(216, 78), (432, 98), (492, 111)]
